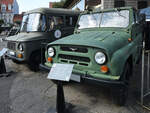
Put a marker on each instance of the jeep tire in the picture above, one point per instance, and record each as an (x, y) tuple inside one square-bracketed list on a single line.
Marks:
[(122, 92)]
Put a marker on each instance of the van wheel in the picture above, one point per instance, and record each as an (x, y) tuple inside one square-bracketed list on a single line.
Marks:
[(34, 61), (123, 91)]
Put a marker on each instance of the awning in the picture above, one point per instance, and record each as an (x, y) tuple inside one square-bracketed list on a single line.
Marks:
[(146, 11)]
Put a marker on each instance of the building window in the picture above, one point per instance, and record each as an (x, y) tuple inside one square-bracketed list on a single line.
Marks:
[(9, 6), (119, 3), (3, 8), (142, 4)]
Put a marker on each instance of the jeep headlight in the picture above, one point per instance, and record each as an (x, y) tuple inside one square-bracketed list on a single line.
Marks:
[(20, 47), (100, 58), (51, 52)]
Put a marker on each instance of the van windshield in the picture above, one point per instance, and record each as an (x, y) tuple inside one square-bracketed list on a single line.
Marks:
[(116, 18), (33, 22)]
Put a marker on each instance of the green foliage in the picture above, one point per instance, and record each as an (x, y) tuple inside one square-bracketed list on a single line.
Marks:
[(1, 22), (18, 22), (59, 4)]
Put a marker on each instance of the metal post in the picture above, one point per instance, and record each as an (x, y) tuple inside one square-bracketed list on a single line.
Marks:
[(2, 66), (148, 64), (142, 79), (60, 105)]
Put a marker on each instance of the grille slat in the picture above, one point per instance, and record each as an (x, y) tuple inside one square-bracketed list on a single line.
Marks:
[(11, 45), (74, 49), (76, 58)]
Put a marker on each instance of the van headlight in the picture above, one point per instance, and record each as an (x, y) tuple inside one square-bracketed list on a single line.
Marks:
[(20, 47), (51, 52), (100, 58)]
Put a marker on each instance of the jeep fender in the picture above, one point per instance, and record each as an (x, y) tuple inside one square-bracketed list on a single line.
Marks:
[(120, 57)]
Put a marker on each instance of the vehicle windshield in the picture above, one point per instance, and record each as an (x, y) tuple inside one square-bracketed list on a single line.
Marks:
[(116, 18), (33, 22)]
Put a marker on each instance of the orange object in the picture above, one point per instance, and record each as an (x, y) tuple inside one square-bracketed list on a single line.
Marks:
[(50, 59), (104, 69), (129, 39), (20, 55)]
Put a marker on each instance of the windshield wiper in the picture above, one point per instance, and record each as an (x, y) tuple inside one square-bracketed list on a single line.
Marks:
[(94, 17), (100, 19), (118, 12)]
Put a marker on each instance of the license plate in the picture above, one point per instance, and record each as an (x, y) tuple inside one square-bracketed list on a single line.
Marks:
[(12, 53), (75, 77)]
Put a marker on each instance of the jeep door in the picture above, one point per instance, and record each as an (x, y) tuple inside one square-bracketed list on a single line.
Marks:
[(137, 35)]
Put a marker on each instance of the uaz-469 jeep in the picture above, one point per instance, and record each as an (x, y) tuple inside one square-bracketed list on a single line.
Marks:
[(103, 49)]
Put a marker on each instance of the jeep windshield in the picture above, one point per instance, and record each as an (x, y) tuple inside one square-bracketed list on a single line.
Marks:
[(116, 19), (33, 22)]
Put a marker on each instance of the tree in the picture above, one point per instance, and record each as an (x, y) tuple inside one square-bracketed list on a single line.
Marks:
[(1, 22), (59, 4)]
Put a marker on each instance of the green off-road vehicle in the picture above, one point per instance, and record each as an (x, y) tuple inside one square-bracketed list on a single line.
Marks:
[(104, 48), (42, 25)]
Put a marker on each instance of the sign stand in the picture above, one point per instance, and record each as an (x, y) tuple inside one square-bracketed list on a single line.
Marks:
[(2, 66), (60, 73), (143, 92), (3, 72), (60, 105)]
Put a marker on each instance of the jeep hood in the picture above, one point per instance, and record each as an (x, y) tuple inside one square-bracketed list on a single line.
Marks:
[(22, 37), (107, 40)]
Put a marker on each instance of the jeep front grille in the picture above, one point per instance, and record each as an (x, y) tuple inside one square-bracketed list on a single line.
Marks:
[(11, 45), (84, 61), (74, 49)]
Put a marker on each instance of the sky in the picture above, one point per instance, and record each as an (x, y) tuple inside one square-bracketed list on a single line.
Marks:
[(26, 5)]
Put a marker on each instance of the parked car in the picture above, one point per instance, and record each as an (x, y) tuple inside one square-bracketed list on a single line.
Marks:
[(13, 31), (42, 25), (104, 48)]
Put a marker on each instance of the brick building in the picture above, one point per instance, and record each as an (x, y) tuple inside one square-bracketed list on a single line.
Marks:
[(8, 8), (50, 4), (18, 18), (103, 4)]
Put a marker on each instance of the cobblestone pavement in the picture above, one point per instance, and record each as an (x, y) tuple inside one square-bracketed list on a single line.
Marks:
[(29, 92)]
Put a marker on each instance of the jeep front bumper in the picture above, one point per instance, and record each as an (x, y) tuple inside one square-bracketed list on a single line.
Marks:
[(90, 79)]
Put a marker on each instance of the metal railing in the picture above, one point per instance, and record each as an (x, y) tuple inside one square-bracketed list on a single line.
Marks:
[(145, 91)]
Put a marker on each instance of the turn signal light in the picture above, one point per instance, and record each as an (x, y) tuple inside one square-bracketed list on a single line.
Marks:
[(50, 59), (129, 39), (104, 69), (20, 55)]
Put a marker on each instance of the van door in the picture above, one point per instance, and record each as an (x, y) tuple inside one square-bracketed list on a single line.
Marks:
[(70, 23), (56, 24)]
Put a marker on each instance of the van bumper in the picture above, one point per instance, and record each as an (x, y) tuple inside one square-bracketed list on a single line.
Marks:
[(15, 58)]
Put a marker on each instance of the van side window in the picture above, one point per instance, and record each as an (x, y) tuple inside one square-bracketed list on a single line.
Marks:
[(55, 22), (42, 23), (71, 20)]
